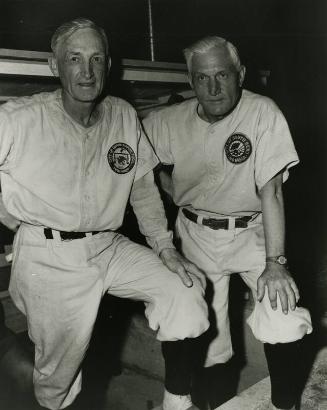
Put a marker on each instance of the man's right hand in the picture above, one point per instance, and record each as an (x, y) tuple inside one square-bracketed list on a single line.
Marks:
[(182, 267)]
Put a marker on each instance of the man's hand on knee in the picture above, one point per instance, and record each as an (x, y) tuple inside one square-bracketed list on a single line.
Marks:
[(182, 267), (279, 283)]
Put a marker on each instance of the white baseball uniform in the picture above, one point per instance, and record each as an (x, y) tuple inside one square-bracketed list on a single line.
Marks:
[(58, 175), (218, 171)]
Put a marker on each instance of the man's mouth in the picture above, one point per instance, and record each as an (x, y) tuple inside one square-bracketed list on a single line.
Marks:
[(91, 84), (216, 101)]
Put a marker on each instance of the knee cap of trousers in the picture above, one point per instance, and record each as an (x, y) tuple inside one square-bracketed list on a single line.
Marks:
[(273, 326), (183, 315)]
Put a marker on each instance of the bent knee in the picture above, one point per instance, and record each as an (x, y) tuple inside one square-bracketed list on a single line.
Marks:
[(183, 314), (189, 301), (273, 326), (174, 287)]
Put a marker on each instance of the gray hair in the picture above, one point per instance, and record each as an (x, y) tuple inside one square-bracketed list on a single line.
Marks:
[(67, 29), (206, 44)]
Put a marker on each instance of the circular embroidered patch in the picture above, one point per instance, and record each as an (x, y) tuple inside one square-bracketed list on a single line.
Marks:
[(238, 148), (121, 158)]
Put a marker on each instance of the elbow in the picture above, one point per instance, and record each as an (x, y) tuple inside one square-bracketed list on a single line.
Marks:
[(272, 191), (278, 192)]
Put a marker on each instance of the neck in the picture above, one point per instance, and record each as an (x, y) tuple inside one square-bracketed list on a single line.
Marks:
[(84, 113), (216, 118)]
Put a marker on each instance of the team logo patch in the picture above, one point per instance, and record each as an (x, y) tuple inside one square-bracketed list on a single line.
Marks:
[(121, 158), (238, 148)]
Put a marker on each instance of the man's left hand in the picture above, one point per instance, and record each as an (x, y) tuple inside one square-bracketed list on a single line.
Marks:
[(182, 267), (279, 283)]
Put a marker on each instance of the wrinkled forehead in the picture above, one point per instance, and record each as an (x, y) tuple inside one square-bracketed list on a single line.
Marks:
[(213, 60)]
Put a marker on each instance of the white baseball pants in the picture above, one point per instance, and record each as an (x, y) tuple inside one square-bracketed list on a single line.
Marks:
[(220, 253), (59, 284)]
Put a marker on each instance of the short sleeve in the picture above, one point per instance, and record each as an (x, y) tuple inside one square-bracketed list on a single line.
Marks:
[(146, 157), (157, 131), (275, 150)]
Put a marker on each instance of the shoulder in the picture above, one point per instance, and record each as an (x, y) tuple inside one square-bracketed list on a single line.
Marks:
[(173, 114), (258, 101), (28, 104), (118, 104)]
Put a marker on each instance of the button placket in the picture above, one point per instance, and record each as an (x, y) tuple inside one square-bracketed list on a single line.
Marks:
[(87, 197)]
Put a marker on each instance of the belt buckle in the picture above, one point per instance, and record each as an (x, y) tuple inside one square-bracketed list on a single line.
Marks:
[(64, 238), (242, 222), (70, 236), (217, 223)]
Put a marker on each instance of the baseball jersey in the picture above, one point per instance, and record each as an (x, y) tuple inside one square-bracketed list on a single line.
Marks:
[(219, 168), (59, 174)]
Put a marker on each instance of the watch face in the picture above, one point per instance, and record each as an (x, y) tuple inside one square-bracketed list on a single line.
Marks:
[(282, 260)]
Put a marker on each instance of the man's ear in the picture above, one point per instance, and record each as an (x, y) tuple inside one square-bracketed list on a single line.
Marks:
[(52, 61), (109, 65), (190, 79), (241, 75)]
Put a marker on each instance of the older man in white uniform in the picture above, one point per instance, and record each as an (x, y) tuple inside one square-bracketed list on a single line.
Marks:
[(231, 150), (69, 162)]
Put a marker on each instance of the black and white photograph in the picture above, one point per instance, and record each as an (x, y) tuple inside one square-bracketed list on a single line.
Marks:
[(163, 205)]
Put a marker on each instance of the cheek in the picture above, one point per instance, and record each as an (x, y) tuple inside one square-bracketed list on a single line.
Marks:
[(67, 77), (99, 69), (232, 92), (200, 91), (100, 75), (66, 81)]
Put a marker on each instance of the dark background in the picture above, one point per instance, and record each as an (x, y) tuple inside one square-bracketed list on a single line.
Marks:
[(287, 37), (261, 28)]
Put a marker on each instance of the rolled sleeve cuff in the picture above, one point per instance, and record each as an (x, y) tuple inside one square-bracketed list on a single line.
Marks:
[(273, 167), (146, 167)]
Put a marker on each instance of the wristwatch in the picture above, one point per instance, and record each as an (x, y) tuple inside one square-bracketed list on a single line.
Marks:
[(281, 259)]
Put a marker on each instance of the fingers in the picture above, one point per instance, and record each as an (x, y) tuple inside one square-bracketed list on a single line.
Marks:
[(179, 269), (182, 267), (185, 278), (291, 296), (283, 297), (186, 270), (288, 297), (295, 290), (193, 269), (272, 294), (260, 289)]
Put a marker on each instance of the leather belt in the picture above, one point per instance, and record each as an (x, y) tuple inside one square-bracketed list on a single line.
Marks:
[(216, 224), (69, 236)]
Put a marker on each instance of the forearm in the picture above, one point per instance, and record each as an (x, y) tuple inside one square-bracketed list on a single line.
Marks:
[(147, 205), (273, 216), (275, 277), (166, 183)]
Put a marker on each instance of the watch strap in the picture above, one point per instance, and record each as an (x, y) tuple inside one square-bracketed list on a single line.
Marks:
[(280, 259)]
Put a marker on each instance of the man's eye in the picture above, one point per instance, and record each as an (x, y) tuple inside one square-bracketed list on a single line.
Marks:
[(98, 59), (74, 59), (223, 74), (202, 77)]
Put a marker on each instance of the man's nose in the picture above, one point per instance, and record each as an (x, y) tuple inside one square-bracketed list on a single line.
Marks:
[(214, 86), (88, 69)]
